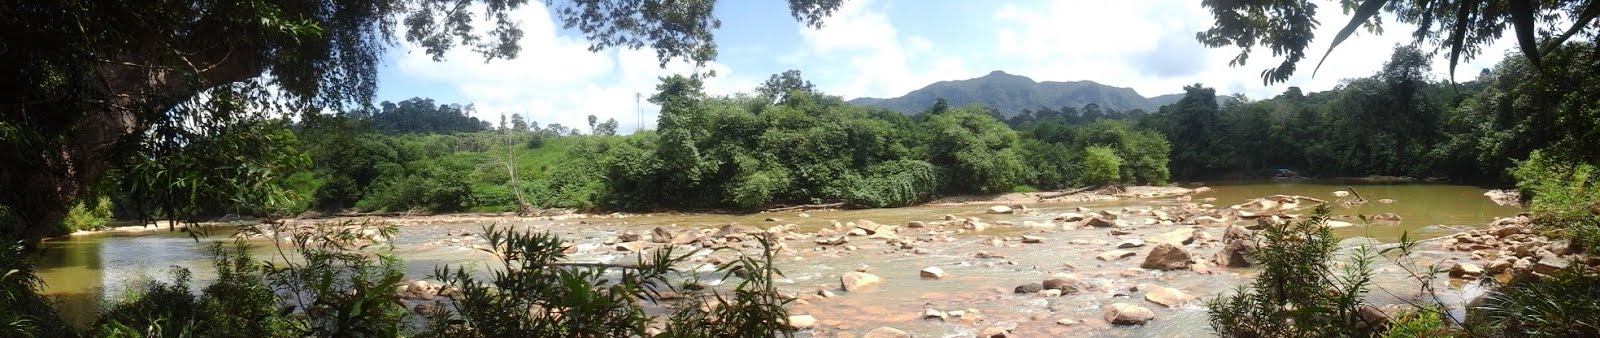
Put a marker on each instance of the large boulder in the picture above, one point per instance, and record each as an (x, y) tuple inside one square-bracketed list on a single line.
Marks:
[(1168, 297), (932, 272), (1166, 256), (1235, 254), (1551, 265), (1238, 232), (855, 280), (661, 235), (1176, 237), (1099, 222), (802, 322), (999, 209), (1128, 314)]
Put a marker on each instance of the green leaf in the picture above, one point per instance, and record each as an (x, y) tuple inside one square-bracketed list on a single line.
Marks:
[(1522, 18), (1367, 9), (1590, 11), (1459, 35)]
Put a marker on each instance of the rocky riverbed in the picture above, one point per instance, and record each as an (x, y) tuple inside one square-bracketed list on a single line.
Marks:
[(1039, 270), (1138, 262)]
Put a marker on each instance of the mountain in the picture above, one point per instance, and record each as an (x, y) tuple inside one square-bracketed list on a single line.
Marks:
[(1010, 94)]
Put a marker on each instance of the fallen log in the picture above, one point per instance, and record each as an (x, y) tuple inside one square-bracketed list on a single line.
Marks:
[(1071, 192), (808, 207)]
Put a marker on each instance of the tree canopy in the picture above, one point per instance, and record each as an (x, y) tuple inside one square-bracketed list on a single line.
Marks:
[(1459, 28), (88, 81)]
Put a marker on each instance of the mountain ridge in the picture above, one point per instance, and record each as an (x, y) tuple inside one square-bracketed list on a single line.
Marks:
[(1010, 94)]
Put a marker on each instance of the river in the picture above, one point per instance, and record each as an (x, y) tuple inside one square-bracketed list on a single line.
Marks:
[(83, 271)]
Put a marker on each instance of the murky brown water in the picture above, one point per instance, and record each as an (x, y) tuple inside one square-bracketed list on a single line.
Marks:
[(83, 271)]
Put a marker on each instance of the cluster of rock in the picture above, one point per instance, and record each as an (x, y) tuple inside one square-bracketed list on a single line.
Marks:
[(1508, 245)]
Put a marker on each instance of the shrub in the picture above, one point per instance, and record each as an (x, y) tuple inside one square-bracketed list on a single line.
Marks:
[(1561, 306), (1564, 197), (1101, 166), (539, 293), (26, 312), (84, 216), (894, 184), (1298, 292)]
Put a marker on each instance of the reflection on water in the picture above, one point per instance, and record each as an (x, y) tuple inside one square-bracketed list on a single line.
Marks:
[(85, 270)]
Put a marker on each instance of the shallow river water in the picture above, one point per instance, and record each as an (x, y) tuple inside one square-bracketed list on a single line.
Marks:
[(84, 271)]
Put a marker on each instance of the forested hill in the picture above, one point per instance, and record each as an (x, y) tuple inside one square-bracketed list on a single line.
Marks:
[(1011, 94)]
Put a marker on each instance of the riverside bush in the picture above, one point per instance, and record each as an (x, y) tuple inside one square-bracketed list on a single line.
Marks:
[(1299, 293)]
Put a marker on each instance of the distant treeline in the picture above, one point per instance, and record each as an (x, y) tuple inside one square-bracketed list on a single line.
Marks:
[(788, 144)]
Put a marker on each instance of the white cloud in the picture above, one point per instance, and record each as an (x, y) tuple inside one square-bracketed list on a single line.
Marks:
[(877, 60), (1149, 46), (555, 78)]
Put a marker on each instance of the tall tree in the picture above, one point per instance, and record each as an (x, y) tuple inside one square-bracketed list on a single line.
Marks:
[(87, 81)]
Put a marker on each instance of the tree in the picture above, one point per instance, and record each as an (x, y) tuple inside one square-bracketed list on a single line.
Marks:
[(1192, 129), (592, 121), (518, 124), (1101, 166), (779, 87), (88, 80), (1460, 28), (976, 148), (607, 128)]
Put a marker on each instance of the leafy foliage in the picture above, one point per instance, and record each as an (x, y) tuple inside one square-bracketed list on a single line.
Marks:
[(1541, 307), (539, 293), (1299, 292), (1101, 166)]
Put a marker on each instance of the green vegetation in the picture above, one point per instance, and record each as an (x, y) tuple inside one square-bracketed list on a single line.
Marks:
[(1299, 292), (88, 216), (343, 279)]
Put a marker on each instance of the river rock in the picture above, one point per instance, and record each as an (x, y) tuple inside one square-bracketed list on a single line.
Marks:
[(1066, 282), (1128, 314), (857, 232), (802, 322), (1238, 232), (932, 272), (886, 332), (1337, 224), (428, 309), (995, 332), (839, 240), (854, 280), (1069, 217), (999, 209), (661, 235), (1176, 237), (1032, 239), (873, 227), (1387, 217), (1206, 220), (1464, 270), (1132, 243), (1028, 288), (1551, 265), (1168, 297), (1341, 193), (1235, 254), (1115, 255), (629, 236), (934, 314), (916, 224), (1099, 222), (1166, 256)]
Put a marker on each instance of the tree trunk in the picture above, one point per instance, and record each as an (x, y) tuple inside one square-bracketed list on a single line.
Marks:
[(47, 171)]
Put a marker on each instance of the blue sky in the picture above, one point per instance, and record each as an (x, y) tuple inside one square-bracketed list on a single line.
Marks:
[(883, 48)]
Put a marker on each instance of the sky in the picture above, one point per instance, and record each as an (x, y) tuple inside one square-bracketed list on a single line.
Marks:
[(886, 48)]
